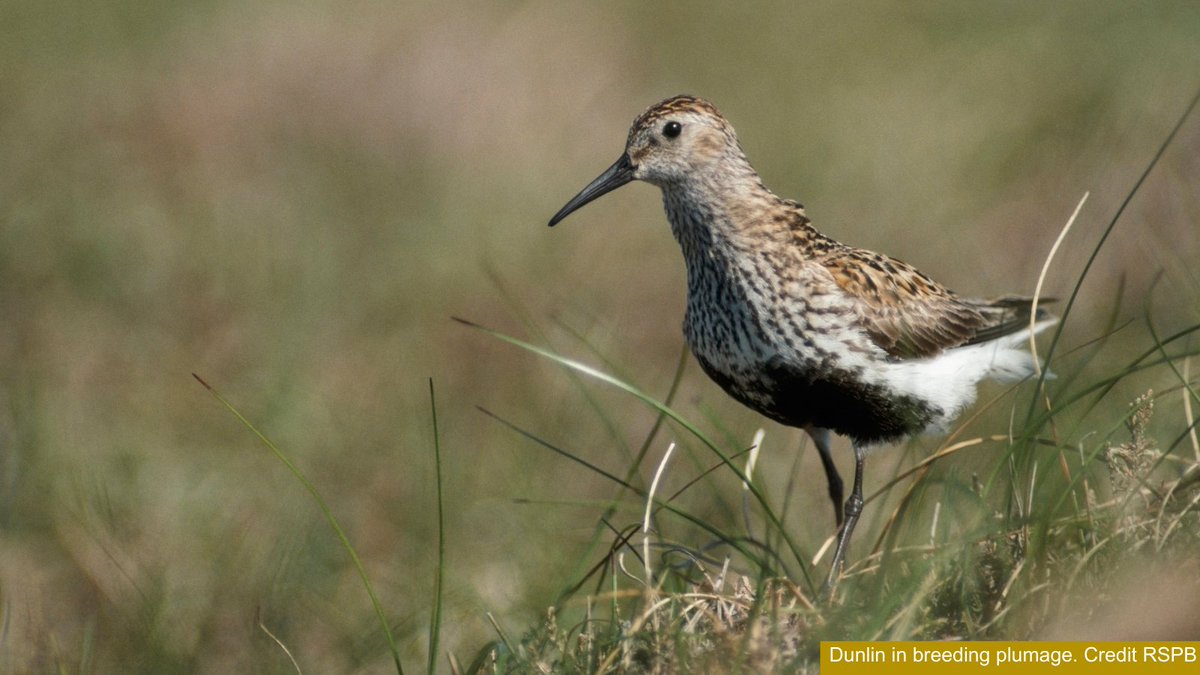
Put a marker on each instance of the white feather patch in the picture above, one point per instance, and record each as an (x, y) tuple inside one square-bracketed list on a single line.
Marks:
[(948, 381)]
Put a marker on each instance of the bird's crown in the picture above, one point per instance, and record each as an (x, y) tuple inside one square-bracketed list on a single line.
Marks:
[(676, 105)]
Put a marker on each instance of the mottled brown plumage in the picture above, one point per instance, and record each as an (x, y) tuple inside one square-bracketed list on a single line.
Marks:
[(804, 329)]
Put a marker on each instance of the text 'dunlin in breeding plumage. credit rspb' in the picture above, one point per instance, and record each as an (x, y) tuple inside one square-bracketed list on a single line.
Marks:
[(1027, 658)]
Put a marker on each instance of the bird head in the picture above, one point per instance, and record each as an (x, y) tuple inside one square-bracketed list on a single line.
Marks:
[(672, 142)]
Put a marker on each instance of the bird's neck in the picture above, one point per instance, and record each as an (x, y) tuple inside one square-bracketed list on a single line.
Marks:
[(728, 213)]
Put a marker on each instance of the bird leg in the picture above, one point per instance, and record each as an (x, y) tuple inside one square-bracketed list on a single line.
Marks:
[(854, 507), (821, 440)]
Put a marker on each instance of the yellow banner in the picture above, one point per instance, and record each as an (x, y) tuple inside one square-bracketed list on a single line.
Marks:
[(1026, 658)]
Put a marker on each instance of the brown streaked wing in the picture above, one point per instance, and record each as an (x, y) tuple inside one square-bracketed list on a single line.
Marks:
[(905, 312)]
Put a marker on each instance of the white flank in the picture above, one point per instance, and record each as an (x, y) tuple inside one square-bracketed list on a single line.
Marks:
[(948, 380)]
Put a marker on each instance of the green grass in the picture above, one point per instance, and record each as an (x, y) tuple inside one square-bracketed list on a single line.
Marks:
[(1076, 517), (312, 490)]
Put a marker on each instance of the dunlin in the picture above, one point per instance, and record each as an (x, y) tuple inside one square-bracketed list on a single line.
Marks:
[(808, 331)]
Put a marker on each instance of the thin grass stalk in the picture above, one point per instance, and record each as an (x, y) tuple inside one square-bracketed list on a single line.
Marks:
[(629, 475), (676, 417), (435, 621), (325, 510), (734, 542), (646, 519)]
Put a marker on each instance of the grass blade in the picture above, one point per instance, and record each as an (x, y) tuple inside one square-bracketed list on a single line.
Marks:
[(435, 621), (329, 517), (1162, 149), (571, 364)]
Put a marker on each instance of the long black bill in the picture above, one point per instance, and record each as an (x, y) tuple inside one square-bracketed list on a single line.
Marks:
[(620, 173)]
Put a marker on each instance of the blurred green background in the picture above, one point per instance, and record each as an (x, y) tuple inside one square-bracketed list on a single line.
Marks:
[(292, 200)]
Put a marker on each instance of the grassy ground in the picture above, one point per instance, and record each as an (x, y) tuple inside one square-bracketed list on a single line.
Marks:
[(1045, 539), (292, 201)]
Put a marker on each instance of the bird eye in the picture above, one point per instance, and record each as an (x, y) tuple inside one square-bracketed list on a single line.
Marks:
[(672, 129)]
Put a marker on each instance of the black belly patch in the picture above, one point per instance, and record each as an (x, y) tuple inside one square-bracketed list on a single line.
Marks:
[(863, 412)]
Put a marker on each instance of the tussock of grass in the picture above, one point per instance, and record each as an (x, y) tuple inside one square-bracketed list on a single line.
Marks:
[(699, 616), (682, 631)]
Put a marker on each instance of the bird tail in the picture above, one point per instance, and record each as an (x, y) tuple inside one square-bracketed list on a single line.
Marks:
[(1007, 316)]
